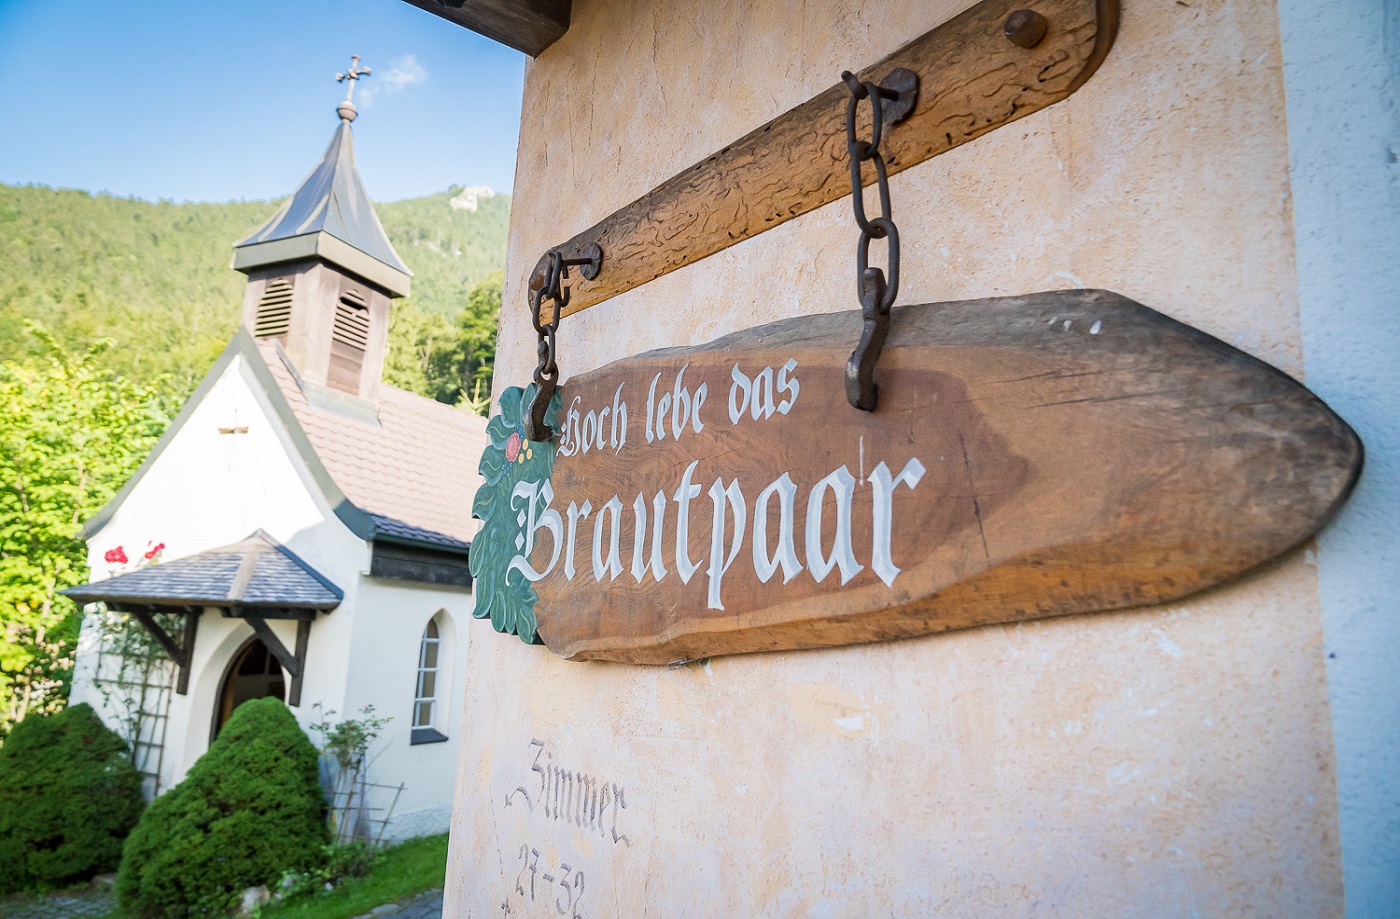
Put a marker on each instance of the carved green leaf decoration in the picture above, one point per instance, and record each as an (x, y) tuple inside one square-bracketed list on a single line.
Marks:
[(503, 595)]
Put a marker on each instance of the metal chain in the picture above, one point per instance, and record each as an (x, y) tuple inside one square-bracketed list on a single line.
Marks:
[(556, 271), (876, 289)]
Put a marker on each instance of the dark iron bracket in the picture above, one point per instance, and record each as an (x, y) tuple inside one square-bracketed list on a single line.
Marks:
[(891, 100), (548, 284), (180, 652), (294, 662)]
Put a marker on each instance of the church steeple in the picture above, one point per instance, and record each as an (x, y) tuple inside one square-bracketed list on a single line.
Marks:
[(321, 272)]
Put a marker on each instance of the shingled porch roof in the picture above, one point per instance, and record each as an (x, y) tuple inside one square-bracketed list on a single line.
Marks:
[(255, 572)]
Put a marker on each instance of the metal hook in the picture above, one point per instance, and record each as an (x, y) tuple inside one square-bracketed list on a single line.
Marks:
[(685, 662), (551, 287), (890, 101)]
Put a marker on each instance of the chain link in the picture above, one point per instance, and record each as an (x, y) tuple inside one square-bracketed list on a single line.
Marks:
[(876, 289), (556, 271)]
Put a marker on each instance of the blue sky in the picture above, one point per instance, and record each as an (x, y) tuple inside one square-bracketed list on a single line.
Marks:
[(215, 101)]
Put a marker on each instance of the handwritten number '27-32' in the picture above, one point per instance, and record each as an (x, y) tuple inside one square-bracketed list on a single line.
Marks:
[(566, 899)]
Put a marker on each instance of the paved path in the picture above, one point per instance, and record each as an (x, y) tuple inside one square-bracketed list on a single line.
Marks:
[(81, 903), (426, 905), (85, 903)]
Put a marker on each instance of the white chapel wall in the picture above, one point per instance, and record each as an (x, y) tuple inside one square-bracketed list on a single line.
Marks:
[(206, 490), (1175, 760), (382, 667)]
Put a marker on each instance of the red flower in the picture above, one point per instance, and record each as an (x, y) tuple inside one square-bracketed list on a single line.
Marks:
[(116, 556), (513, 447), (155, 550)]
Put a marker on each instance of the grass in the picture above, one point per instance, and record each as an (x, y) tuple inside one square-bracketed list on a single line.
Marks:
[(406, 869)]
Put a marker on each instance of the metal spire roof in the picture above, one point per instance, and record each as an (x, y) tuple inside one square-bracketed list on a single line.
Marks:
[(331, 202)]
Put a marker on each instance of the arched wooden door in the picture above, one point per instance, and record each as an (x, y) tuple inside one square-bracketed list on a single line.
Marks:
[(253, 673)]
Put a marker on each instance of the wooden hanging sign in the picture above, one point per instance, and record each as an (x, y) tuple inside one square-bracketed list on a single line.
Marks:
[(1063, 452)]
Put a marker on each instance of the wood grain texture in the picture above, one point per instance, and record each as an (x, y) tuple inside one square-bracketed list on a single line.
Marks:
[(972, 80), (1081, 452), (530, 26)]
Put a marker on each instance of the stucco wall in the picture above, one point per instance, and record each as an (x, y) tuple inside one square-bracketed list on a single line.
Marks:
[(1166, 761), (1342, 67)]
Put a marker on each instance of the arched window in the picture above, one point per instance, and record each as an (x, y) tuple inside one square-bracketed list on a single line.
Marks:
[(428, 686)]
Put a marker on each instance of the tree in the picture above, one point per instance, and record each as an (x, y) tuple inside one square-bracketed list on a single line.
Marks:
[(420, 353), (70, 436), (68, 797), (479, 323), (447, 361), (249, 810)]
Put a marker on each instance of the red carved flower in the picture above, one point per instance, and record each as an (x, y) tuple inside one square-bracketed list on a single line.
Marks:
[(513, 447), (116, 556), (155, 550)]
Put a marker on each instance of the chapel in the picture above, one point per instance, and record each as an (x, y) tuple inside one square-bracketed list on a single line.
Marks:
[(301, 530)]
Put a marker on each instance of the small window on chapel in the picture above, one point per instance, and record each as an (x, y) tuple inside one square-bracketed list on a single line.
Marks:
[(425, 699), (274, 317), (349, 338)]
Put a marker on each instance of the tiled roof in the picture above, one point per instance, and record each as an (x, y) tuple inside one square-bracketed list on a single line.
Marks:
[(414, 471), (397, 528), (255, 572), (332, 200)]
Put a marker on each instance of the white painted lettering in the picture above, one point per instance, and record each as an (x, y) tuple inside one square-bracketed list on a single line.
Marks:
[(787, 382), (680, 405), (719, 562), (883, 515), (613, 566), (663, 405), (576, 513), (738, 404), (701, 393), (535, 515), (619, 422), (590, 430), (761, 405), (657, 563), (786, 555), (842, 485), (685, 493), (651, 406)]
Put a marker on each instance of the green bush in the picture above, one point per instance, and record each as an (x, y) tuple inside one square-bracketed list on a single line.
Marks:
[(249, 810), (68, 797)]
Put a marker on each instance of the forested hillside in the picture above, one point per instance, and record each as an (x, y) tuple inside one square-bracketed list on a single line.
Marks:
[(111, 311), (154, 277)]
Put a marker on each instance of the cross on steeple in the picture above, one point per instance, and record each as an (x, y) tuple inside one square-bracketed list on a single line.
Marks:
[(350, 77)]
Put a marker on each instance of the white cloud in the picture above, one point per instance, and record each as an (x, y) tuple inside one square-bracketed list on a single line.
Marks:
[(404, 72)]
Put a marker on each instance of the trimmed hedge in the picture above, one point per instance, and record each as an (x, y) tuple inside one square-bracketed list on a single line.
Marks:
[(247, 811), (68, 797)]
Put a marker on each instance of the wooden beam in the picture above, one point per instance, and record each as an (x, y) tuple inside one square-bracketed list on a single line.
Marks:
[(303, 638), (525, 25), (182, 680), (162, 637), (270, 612), (292, 662), (180, 654), (972, 80)]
